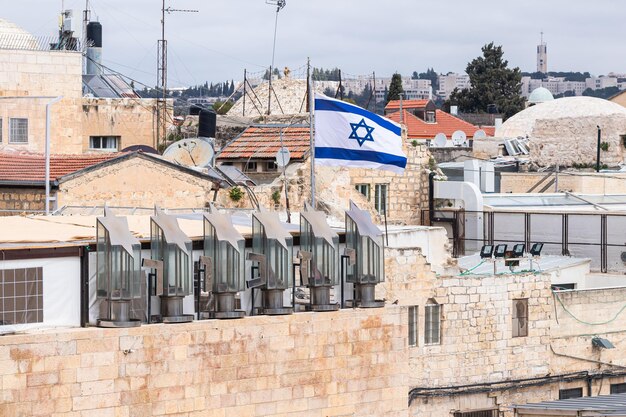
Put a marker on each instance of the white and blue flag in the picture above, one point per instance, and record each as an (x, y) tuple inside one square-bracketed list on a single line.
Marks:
[(350, 136)]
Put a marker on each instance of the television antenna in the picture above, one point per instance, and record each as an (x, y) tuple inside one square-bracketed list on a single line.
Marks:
[(162, 75), (280, 4)]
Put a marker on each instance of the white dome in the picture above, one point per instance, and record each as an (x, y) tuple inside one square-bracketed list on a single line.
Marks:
[(14, 37), (567, 108), (540, 95)]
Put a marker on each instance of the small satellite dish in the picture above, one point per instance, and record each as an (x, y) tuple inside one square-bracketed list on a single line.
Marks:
[(479, 134), (192, 152), (458, 138), (282, 157), (440, 140)]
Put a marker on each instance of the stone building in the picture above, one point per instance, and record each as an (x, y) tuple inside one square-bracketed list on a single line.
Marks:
[(565, 131), (132, 179), (32, 75)]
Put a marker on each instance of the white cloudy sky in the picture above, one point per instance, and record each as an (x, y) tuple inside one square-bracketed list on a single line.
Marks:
[(358, 36)]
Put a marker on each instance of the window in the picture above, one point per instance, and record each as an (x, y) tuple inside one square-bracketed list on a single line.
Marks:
[(109, 143), (18, 130), (21, 296), (476, 413), (558, 287), (618, 388), (380, 198), (520, 317), (413, 326), (364, 189), (432, 323), (565, 394), (271, 166), (250, 166), (430, 117)]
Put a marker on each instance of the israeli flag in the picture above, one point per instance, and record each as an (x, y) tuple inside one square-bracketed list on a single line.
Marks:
[(347, 135)]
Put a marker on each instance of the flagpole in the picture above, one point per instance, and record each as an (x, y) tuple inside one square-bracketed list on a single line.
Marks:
[(311, 137)]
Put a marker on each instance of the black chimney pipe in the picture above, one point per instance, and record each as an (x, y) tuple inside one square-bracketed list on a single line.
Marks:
[(598, 149), (207, 124)]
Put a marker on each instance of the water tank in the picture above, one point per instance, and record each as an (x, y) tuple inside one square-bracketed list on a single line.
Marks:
[(94, 34), (207, 124)]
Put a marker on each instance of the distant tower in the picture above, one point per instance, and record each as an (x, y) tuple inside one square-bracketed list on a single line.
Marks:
[(542, 56)]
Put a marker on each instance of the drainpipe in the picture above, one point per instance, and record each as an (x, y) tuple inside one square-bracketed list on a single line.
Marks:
[(55, 100), (431, 198)]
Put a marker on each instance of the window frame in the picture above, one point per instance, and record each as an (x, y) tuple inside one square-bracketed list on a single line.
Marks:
[(381, 206), (432, 328), (105, 140), (413, 336), (568, 393), (250, 166), (619, 388), (518, 329), (13, 129), (367, 188)]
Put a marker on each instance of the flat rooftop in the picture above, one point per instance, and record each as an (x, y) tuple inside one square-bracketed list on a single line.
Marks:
[(556, 202), (474, 265)]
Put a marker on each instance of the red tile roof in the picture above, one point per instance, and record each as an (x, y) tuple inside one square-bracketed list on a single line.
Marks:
[(20, 167), (446, 124), (489, 130), (262, 142), (406, 104)]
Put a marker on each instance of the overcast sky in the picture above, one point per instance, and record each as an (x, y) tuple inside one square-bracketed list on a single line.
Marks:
[(358, 36)]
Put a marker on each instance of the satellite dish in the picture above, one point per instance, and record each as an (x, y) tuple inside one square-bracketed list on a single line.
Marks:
[(458, 138), (440, 140), (192, 152), (282, 157), (479, 134)]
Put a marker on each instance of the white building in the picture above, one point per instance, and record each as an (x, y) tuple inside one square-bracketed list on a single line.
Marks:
[(450, 81)]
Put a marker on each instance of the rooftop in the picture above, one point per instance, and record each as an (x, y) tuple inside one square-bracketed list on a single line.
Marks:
[(30, 167), (600, 406), (446, 124), (264, 141), (407, 104)]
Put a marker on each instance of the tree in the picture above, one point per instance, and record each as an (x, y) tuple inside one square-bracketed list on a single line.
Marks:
[(492, 83), (395, 88), (606, 92)]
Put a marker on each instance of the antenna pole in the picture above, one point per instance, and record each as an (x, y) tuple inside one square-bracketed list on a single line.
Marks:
[(311, 127), (374, 92)]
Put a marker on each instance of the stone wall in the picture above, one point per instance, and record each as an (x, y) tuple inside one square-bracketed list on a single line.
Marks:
[(547, 146), (136, 182), (335, 187), (577, 182), (22, 199), (345, 363)]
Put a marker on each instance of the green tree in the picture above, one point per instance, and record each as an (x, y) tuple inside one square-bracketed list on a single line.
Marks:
[(606, 92), (492, 83), (395, 88)]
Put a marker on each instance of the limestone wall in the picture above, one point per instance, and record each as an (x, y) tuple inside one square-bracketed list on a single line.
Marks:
[(577, 182), (548, 147), (22, 199), (345, 363), (136, 182)]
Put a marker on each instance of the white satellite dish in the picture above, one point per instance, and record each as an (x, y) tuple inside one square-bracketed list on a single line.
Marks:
[(192, 152), (283, 156), (458, 138), (440, 140), (479, 134)]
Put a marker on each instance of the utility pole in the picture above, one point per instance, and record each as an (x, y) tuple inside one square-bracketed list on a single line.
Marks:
[(162, 76)]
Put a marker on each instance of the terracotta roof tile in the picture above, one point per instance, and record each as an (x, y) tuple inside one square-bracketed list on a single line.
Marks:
[(406, 104), (31, 167), (263, 142), (489, 130), (446, 124)]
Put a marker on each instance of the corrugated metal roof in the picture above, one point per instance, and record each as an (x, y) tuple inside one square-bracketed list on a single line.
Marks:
[(602, 405)]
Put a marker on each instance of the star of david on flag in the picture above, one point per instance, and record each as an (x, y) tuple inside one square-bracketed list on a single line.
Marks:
[(350, 136)]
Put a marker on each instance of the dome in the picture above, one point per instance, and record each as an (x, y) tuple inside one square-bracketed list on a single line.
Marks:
[(14, 37), (562, 110), (540, 95)]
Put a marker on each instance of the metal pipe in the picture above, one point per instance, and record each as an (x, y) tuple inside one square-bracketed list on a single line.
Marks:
[(311, 140), (598, 149), (47, 179)]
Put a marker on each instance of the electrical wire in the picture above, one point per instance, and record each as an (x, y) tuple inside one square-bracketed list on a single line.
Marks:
[(583, 321)]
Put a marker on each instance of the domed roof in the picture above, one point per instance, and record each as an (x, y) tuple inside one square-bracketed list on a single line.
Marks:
[(540, 95), (566, 108), (14, 37)]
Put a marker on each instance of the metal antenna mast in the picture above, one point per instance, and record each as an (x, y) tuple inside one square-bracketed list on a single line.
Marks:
[(162, 76), (280, 4)]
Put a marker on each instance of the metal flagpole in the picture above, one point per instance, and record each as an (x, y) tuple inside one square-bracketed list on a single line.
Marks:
[(311, 139)]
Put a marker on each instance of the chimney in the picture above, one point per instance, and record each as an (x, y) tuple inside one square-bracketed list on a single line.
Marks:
[(94, 50), (498, 122), (454, 110)]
